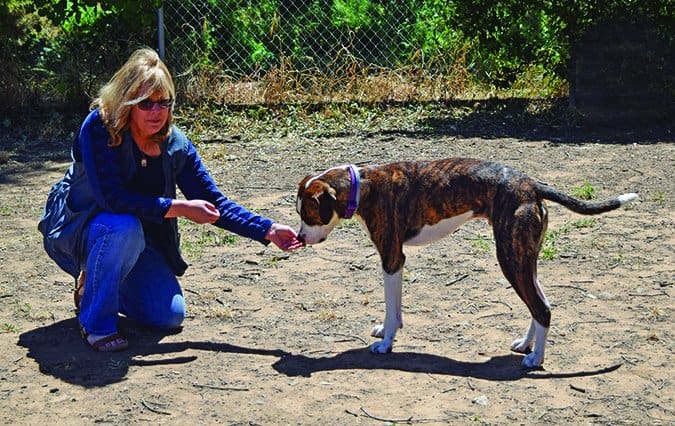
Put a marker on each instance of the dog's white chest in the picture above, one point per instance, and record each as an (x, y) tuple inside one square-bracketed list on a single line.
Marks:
[(429, 234)]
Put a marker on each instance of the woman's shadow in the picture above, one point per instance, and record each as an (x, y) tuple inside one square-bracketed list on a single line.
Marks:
[(61, 352)]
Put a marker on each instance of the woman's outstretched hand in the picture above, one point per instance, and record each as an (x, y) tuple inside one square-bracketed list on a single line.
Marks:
[(201, 211), (284, 237)]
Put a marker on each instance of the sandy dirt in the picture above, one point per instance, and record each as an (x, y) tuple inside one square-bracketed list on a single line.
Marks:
[(282, 338)]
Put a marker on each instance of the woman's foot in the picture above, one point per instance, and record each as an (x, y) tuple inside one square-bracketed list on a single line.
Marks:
[(111, 343)]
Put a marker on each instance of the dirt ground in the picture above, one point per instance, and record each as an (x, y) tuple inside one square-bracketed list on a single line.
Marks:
[(282, 338)]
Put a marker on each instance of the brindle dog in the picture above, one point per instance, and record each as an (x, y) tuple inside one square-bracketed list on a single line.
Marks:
[(418, 202)]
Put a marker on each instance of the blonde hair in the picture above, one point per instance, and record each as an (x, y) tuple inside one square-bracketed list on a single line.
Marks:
[(143, 75)]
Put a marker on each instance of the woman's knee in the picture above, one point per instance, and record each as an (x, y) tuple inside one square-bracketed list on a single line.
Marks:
[(175, 315)]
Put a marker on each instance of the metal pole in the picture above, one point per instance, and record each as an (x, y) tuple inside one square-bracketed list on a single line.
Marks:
[(160, 32)]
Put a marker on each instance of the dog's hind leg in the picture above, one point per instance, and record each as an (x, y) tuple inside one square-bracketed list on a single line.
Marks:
[(536, 332), (393, 318), (529, 290), (518, 246), (524, 344)]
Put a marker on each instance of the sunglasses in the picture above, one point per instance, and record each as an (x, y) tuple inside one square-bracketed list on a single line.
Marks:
[(148, 105)]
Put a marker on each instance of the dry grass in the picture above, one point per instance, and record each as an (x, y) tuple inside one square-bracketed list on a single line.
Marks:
[(349, 79)]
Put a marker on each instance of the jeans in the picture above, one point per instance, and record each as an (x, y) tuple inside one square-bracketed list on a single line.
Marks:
[(126, 275)]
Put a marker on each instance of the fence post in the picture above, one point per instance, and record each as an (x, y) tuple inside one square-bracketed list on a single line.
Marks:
[(160, 32)]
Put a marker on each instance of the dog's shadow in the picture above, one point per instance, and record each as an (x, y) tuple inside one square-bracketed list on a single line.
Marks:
[(498, 368), (61, 352)]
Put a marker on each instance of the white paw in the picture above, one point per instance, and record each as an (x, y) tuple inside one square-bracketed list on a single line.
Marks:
[(381, 347), (523, 346), (533, 360), (377, 331)]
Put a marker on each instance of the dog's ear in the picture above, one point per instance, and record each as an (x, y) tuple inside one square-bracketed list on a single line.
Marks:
[(325, 197), (321, 193), (327, 205)]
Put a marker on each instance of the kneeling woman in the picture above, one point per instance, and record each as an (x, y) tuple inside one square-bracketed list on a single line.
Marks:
[(111, 222)]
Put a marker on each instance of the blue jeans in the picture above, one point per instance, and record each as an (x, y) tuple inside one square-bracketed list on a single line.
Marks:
[(126, 275)]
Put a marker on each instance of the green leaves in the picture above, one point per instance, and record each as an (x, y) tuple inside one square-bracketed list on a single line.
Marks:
[(354, 14)]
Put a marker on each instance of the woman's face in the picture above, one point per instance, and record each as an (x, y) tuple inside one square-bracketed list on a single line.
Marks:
[(149, 116)]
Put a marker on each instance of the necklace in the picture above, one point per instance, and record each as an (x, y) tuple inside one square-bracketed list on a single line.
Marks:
[(144, 156)]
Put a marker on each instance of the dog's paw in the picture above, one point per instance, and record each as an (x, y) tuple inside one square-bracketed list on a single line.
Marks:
[(377, 331), (522, 346), (381, 347), (533, 360)]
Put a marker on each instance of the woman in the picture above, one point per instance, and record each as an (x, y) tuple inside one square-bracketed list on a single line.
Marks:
[(114, 213)]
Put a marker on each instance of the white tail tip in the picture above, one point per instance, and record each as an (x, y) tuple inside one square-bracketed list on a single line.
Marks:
[(627, 198)]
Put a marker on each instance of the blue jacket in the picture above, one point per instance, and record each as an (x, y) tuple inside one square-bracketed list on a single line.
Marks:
[(98, 180)]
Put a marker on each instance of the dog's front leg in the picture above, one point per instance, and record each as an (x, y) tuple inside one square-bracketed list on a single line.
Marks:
[(392, 319)]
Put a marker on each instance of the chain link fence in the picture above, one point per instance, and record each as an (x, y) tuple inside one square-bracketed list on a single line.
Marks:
[(245, 37), (327, 47)]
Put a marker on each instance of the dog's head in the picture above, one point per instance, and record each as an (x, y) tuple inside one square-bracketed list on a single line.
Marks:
[(320, 203)]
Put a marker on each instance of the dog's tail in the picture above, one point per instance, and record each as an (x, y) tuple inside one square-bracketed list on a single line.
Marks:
[(584, 207)]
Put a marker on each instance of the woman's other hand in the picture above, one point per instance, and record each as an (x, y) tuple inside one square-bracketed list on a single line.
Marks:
[(198, 211)]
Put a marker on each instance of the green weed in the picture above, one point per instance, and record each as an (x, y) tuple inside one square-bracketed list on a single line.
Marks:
[(549, 250), (197, 238), (230, 240), (585, 191), (481, 243), (620, 259), (9, 328), (585, 223)]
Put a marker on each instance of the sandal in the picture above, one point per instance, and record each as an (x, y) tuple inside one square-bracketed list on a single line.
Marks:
[(79, 290), (112, 343)]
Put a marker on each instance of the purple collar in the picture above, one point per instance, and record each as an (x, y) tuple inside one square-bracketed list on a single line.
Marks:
[(354, 192)]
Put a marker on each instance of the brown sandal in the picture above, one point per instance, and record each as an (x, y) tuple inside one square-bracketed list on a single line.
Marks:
[(79, 290)]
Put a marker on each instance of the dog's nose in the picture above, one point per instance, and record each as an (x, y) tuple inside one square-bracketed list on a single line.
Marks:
[(301, 238)]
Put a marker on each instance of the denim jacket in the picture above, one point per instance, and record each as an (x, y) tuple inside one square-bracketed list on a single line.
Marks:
[(97, 181)]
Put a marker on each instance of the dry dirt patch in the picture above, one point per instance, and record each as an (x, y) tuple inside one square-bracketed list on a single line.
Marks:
[(281, 338)]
